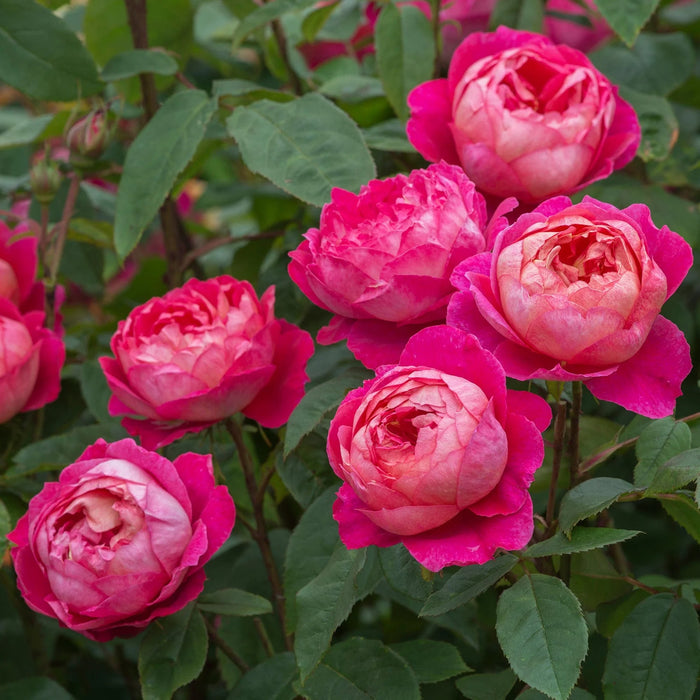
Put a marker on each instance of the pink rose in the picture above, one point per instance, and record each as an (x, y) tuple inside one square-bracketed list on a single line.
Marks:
[(31, 358), (573, 292), (436, 453), (18, 267), (381, 260), (202, 353), (120, 539), (523, 116)]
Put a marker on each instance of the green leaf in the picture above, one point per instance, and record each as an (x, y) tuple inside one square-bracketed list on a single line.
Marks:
[(487, 686), (576, 694), (403, 573), (58, 451), (271, 680), (323, 604), (405, 53), (518, 14), (389, 135), (543, 634), (95, 390), (317, 403), (676, 473), (296, 146), (314, 21), (627, 17), (306, 472), (685, 512), (233, 601), (430, 660), (609, 616), (589, 498), (658, 63), (658, 122), (131, 63), (107, 33), (311, 545), (581, 540), (34, 689), (362, 669), (467, 583), (240, 92), (352, 89), (27, 131), (154, 160), (41, 56), (656, 444), (172, 653), (262, 15), (655, 653)]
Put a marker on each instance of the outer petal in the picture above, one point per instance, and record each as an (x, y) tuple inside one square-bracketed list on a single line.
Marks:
[(431, 112), (470, 539), (650, 381), (356, 529)]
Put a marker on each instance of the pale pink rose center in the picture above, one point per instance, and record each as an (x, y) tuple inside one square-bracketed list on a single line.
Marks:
[(9, 286), (410, 437), (197, 337), (119, 526), (15, 344)]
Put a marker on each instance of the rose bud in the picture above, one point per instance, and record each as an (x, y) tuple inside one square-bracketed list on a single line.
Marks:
[(120, 539), (573, 292), (436, 453), (523, 116), (88, 138)]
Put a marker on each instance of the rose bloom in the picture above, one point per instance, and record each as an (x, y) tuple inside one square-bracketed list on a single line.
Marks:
[(573, 292), (31, 358), (567, 31), (436, 453), (120, 538), (523, 116), (201, 353), (18, 267), (381, 260)]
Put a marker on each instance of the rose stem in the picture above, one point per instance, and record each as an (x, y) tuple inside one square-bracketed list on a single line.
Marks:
[(574, 420), (262, 633), (558, 449), (225, 648), (294, 82), (58, 236), (259, 533), (177, 242)]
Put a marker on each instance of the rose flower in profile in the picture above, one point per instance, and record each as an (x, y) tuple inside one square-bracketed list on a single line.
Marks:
[(120, 538), (436, 453), (523, 116), (201, 353), (573, 292), (381, 260)]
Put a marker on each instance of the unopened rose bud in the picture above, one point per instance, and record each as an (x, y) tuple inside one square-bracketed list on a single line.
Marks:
[(45, 179), (88, 138)]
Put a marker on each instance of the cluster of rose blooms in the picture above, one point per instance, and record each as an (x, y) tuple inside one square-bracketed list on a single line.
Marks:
[(441, 282)]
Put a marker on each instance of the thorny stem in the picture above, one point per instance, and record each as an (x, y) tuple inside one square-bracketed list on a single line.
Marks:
[(558, 449), (225, 648), (259, 532), (177, 242)]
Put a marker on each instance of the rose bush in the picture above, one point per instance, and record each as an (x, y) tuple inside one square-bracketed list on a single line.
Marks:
[(381, 260), (201, 353), (573, 292), (523, 116), (120, 539), (436, 453)]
